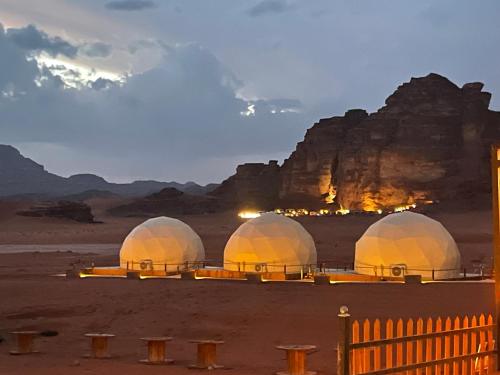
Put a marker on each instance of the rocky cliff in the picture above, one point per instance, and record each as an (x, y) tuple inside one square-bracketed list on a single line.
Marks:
[(254, 186), (430, 142)]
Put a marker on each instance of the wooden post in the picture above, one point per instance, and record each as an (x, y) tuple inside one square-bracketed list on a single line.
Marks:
[(156, 350), (296, 359), (495, 165), (99, 345), (343, 365), (24, 340), (206, 358)]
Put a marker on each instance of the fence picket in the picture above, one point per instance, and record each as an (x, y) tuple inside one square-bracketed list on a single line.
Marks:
[(473, 346), (465, 346), (409, 346), (491, 346), (356, 363), (419, 344), (377, 351), (428, 346), (399, 346), (456, 347), (482, 344), (438, 347), (447, 346), (389, 334), (366, 351)]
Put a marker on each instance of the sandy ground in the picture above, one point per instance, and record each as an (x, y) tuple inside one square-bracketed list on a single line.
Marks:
[(252, 319)]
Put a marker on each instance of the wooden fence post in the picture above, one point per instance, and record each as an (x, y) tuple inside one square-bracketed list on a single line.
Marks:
[(343, 365)]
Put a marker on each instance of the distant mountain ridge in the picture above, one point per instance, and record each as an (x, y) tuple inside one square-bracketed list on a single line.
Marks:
[(21, 176)]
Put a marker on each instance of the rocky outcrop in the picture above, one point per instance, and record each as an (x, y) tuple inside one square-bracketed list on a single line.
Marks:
[(21, 176), (168, 201), (308, 175), (255, 186), (76, 211), (430, 142)]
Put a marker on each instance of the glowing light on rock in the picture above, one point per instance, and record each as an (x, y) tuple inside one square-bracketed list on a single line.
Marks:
[(330, 198)]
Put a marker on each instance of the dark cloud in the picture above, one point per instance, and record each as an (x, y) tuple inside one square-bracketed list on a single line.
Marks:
[(97, 49), (180, 120), (269, 6), (30, 38), (17, 74), (130, 5)]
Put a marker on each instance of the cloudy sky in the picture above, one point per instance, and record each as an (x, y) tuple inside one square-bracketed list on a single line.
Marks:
[(187, 89)]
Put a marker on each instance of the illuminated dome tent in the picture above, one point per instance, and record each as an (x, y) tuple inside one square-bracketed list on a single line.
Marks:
[(407, 243), (269, 243), (161, 244)]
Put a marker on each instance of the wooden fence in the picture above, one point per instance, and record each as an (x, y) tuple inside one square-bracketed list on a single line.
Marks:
[(442, 346)]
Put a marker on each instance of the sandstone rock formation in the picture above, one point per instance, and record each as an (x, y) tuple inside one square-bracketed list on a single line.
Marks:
[(168, 201), (430, 142), (77, 211), (254, 186)]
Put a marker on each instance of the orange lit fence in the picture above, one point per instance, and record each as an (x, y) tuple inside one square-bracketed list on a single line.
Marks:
[(449, 346)]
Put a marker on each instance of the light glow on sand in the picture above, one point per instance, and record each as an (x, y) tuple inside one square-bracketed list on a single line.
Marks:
[(249, 214)]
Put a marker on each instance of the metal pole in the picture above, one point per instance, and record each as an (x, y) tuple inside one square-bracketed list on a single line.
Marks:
[(343, 366), (495, 165)]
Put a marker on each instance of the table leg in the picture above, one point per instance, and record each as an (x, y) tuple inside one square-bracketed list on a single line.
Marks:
[(100, 347), (25, 344), (296, 362), (206, 355), (156, 351)]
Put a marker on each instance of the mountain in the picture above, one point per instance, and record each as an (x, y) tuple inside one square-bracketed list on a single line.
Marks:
[(429, 143), (21, 176)]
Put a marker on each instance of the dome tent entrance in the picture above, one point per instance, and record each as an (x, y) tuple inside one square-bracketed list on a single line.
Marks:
[(270, 243), (161, 244), (407, 243)]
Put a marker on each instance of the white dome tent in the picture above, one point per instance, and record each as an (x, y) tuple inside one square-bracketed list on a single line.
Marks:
[(161, 244), (270, 243), (407, 243)]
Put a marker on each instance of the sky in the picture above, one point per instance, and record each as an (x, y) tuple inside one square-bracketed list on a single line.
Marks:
[(186, 90)]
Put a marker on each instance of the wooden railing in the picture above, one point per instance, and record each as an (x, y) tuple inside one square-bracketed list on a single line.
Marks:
[(458, 346)]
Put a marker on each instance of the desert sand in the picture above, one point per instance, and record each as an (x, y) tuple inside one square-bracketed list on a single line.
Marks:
[(252, 319)]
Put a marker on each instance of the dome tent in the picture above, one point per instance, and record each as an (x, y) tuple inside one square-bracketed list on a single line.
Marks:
[(160, 244), (407, 243), (269, 243)]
